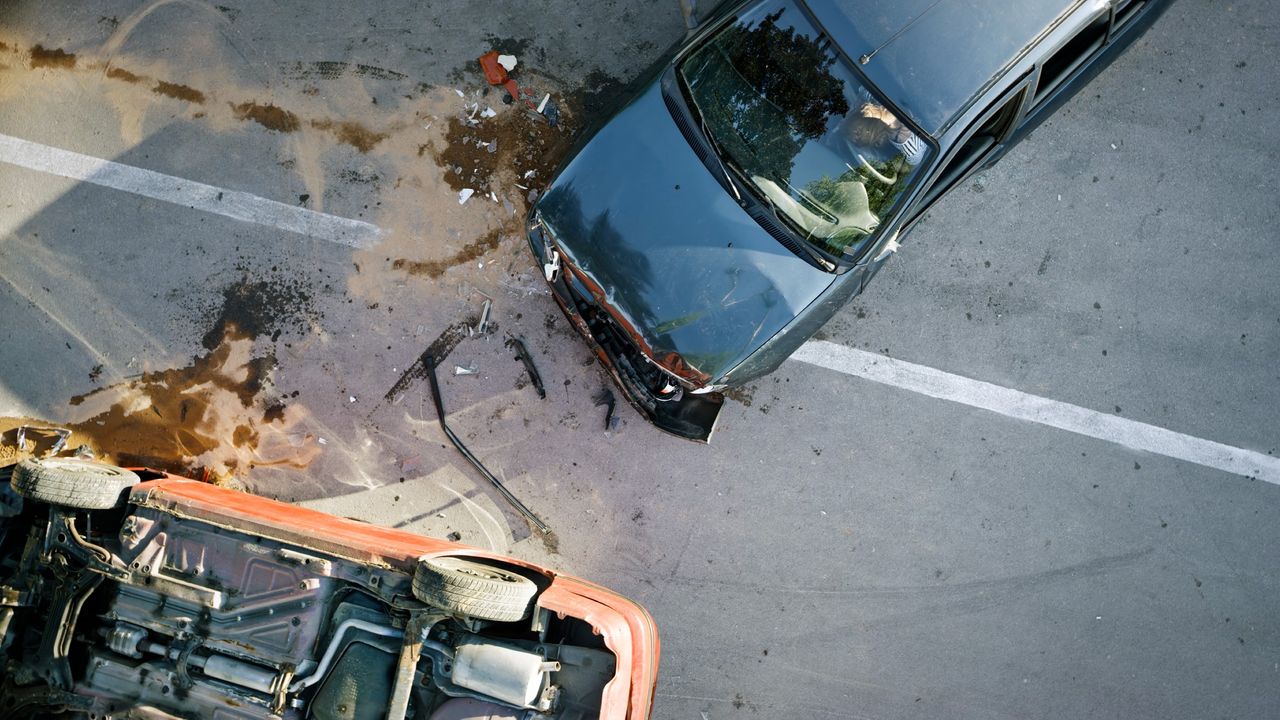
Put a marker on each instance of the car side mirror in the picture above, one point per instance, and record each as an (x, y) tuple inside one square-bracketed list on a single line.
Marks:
[(890, 247)]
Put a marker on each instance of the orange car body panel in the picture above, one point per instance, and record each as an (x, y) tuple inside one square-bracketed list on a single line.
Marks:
[(626, 628)]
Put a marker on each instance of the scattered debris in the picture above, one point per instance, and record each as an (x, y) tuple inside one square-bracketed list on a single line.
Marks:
[(496, 69), (20, 438), (430, 366), (606, 397), (488, 112), (483, 327), (552, 113), (468, 370), (496, 73), (454, 536), (351, 398), (522, 354), (464, 195), (436, 353)]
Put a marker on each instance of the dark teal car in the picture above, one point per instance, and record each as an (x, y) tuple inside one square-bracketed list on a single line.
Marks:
[(770, 165)]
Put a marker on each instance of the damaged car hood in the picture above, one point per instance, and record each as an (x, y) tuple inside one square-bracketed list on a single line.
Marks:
[(637, 212)]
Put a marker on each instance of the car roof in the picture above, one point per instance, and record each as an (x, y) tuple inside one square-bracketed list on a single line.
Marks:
[(932, 57)]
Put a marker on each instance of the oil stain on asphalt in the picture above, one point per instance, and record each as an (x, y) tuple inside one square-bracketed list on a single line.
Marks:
[(219, 414)]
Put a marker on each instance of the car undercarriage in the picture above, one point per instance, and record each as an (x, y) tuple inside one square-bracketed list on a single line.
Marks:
[(138, 609)]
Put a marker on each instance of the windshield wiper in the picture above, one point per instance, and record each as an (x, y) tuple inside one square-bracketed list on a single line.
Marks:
[(715, 149), (711, 140), (805, 245)]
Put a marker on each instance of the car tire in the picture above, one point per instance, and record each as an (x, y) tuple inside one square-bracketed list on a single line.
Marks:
[(466, 587), (73, 483)]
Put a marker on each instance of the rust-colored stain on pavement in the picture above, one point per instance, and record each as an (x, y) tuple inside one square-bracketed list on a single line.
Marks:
[(470, 252), (268, 116), (179, 92), (351, 133), (51, 57)]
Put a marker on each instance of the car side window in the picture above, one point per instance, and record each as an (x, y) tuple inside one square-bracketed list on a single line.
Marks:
[(1063, 63), (985, 134), (1068, 58)]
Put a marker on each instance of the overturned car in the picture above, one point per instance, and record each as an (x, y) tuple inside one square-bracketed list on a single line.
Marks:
[(138, 594)]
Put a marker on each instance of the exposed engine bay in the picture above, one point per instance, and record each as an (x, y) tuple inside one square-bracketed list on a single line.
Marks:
[(134, 611)]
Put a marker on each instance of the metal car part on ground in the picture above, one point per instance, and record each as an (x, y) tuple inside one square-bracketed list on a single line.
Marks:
[(137, 594), (764, 171)]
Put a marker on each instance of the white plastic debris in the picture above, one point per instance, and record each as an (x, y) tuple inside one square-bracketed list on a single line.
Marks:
[(464, 195), (322, 441), (530, 173), (507, 61), (488, 112), (460, 93), (542, 105), (351, 398), (493, 196), (460, 370)]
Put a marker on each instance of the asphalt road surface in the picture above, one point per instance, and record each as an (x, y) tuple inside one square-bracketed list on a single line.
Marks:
[(228, 231)]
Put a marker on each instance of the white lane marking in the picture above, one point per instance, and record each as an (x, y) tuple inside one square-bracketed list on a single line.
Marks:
[(188, 193), (1016, 404)]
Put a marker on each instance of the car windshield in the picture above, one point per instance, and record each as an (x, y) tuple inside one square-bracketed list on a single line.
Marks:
[(796, 124)]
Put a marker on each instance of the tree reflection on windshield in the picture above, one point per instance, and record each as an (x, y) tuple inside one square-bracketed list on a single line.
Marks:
[(795, 122), (774, 88)]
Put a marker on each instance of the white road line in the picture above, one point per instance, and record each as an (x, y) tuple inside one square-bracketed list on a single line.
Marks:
[(1016, 404), (188, 193)]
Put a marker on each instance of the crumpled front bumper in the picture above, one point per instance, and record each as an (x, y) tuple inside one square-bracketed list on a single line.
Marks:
[(692, 416)]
